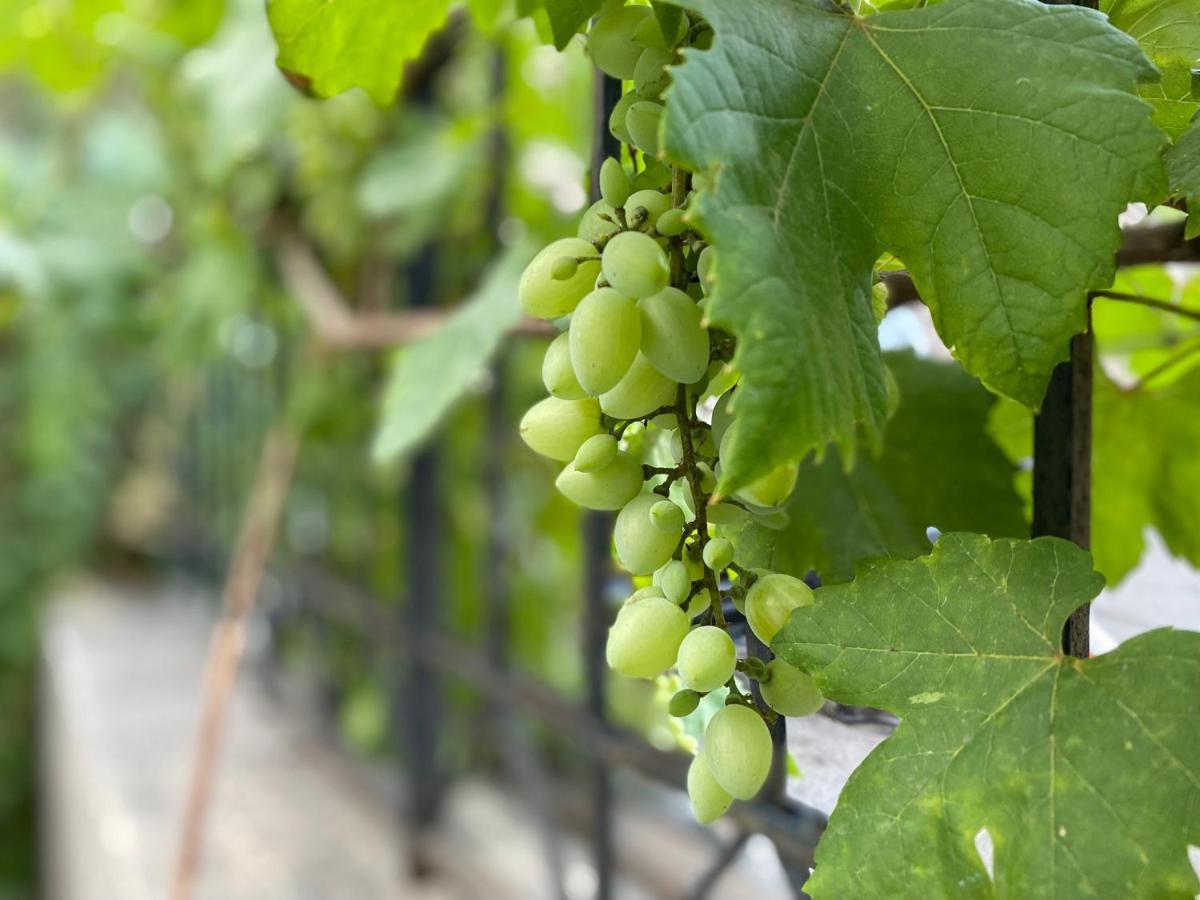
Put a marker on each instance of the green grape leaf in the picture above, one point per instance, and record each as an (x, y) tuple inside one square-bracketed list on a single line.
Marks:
[(668, 16), (1183, 168), (1169, 32), (996, 175), (429, 377), (352, 43), (939, 467), (1084, 773), (568, 16)]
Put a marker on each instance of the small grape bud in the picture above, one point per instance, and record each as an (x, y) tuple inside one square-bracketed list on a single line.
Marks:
[(684, 703), (564, 268), (718, 553)]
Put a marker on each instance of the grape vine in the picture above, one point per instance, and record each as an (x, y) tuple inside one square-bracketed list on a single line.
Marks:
[(640, 387)]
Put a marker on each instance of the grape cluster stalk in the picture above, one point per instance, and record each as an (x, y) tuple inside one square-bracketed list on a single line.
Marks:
[(640, 411)]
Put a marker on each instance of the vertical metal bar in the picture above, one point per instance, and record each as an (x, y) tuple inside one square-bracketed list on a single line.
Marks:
[(1062, 466), (597, 558)]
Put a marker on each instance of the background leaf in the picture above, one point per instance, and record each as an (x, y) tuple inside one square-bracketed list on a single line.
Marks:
[(830, 150), (1052, 755), (568, 16), (1183, 168)]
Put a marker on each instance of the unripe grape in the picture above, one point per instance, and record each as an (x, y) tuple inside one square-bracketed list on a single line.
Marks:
[(726, 514), (709, 800), (772, 489), (643, 120), (616, 121), (546, 297), (654, 202), (635, 265), (722, 418), (641, 390), (707, 658), (700, 603), (671, 223), (564, 268), (673, 581), (737, 750), (598, 224), (655, 176), (614, 183), (596, 453), (667, 516), (790, 691), (557, 374), (610, 488), (683, 704), (708, 478), (718, 553), (650, 76), (606, 330), (672, 337), (641, 546), (704, 268), (610, 41), (645, 638), (557, 428), (771, 600)]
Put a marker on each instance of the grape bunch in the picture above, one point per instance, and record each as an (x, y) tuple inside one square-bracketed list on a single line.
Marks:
[(639, 411)]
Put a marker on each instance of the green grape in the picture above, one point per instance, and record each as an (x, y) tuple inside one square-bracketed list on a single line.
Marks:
[(737, 749), (594, 227), (789, 691), (557, 374), (683, 704), (642, 121), (653, 201), (722, 418), (718, 554), (634, 265), (557, 428), (614, 183), (726, 514), (667, 516), (596, 453), (605, 333), (704, 40), (704, 268), (700, 603), (642, 594), (772, 489), (709, 800), (610, 41), (655, 176), (771, 600), (650, 76), (671, 223), (616, 121), (546, 297), (672, 337), (641, 546), (645, 638), (610, 488), (707, 658), (640, 391), (673, 580), (708, 478), (649, 33)]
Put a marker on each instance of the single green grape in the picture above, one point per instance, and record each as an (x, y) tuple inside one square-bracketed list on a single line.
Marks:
[(598, 224), (642, 121), (771, 599), (650, 75), (672, 337), (645, 638), (610, 488), (718, 554), (557, 428), (641, 546), (605, 333), (616, 120), (772, 489), (709, 800), (614, 183), (684, 703), (610, 41), (634, 265), (545, 297), (654, 202), (596, 453), (707, 658), (656, 175), (704, 266), (790, 691), (557, 374), (673, 580), (641, 390), (667, 516), (671, 223), (737, 749)]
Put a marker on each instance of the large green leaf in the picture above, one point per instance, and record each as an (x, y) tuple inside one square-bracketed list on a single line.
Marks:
[(939, 467), (1169, 32), (988, 145), (431, 376), (1183, 167), (340, 44), (1085, 774)]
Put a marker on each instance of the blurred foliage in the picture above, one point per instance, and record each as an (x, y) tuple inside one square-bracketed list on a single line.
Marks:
[(151, 155)]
